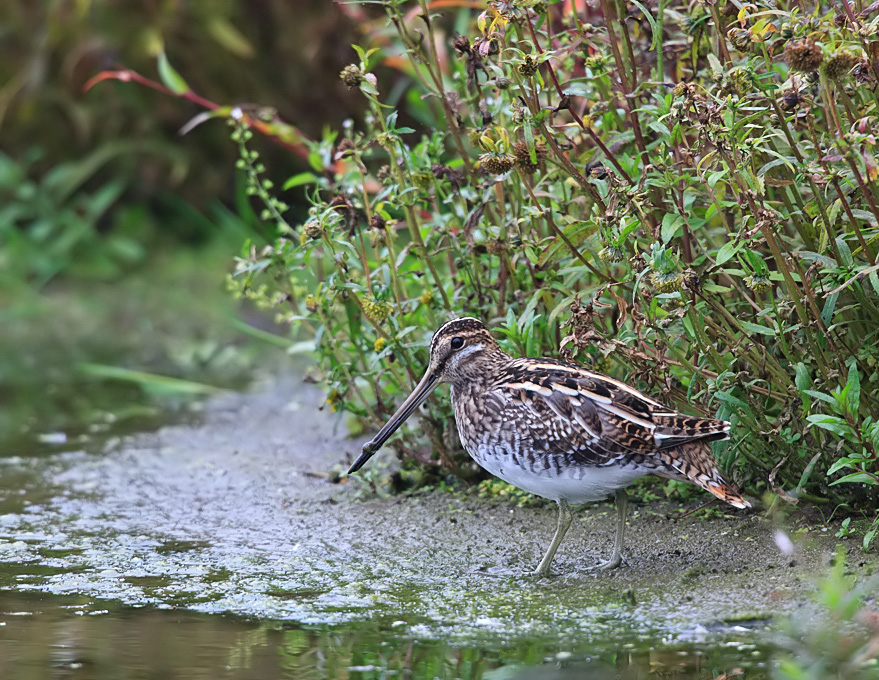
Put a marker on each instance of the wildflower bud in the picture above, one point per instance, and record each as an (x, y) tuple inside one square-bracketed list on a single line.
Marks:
[(840, 63), (666, 282), (503, 83), (384, 172), (803, 56), (611, 253), (527, 67), (422, 179), (311, 303), (333, 400), (426, 298), (379, 345), (377, 311), (740, 39), (312, 229), (759, 283), (497, 163), (385, 139), (597, 63), (351, 75), (598, 172), (787, 32)]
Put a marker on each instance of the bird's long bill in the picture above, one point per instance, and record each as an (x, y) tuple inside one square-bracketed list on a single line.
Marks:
[(413, 401)]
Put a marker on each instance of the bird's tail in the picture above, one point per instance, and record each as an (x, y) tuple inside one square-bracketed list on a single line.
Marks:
[(694, 463)]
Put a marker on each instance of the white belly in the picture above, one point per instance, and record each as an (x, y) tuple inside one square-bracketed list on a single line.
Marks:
[(577, 485)]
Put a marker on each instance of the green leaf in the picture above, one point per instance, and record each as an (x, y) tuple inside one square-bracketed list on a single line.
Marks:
[(150, 382), (853, 387), (841, 464), (821, 396), (170, 78), (670, 225), (230, 38), (654, 31), (834, 424), (300, 179), (829, 308), (757, 328), (727, 250), (856, 478)]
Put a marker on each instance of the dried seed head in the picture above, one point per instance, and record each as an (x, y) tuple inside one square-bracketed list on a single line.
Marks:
[(384, 172), (344, 147), (497, 163), (351, 75), (740, 39), (742, 80), (527, 67), (496, 247), (376, 222), (682, 89), (790, 100), (523, 156), (461, 44), (803, 56), (840, 63)]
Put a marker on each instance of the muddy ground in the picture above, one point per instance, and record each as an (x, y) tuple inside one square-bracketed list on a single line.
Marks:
[(227, 515)]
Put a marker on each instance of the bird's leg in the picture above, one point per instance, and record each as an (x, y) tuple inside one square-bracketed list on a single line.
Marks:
[(616, 558), (564, 522)]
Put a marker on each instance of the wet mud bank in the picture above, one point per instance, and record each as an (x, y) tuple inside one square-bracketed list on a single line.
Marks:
[(233, 515)]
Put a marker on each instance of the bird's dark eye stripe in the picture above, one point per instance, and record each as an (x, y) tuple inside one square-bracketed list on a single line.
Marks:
[(457, 343)]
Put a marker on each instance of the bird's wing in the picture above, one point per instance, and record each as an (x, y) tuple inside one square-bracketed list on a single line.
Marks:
[(608, 414)]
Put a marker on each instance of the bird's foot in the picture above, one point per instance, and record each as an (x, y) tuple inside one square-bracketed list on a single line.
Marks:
[(612, 563)]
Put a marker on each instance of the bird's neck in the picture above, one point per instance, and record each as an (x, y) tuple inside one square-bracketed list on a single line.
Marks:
[(481, 370)]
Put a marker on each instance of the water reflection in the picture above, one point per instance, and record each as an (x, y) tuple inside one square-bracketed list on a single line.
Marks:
[(68, 637)]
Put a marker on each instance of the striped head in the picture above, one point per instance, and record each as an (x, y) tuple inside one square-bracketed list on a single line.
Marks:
[(461, 350)]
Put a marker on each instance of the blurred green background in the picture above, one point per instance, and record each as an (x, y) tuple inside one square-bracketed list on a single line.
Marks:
[(116, 232)]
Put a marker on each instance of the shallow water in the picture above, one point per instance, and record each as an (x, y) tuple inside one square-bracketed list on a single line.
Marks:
[(75, 637)]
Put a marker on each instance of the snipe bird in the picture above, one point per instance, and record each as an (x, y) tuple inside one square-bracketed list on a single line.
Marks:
[(559, 431)]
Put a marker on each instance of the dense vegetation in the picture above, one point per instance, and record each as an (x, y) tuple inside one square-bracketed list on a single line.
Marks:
[(680, 193)]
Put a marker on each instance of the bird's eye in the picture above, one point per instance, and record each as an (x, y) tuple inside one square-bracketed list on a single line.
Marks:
[(457, 343)]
